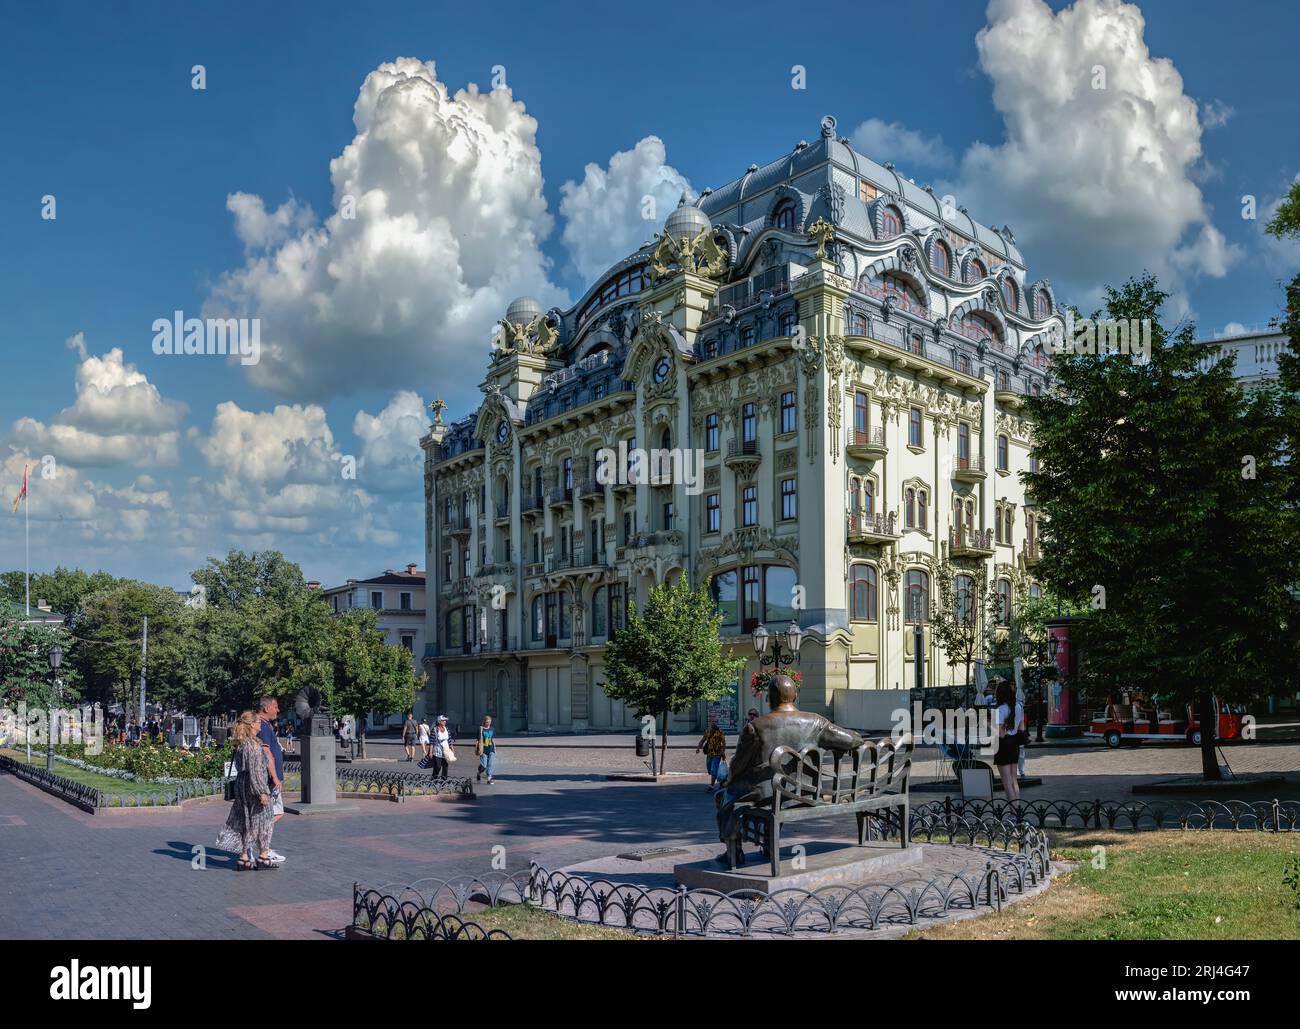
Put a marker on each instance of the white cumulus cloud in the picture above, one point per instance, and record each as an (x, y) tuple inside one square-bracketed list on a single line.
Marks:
[(437, 225), (391, 458), (613, 210), (892, 141), (1102, 150)]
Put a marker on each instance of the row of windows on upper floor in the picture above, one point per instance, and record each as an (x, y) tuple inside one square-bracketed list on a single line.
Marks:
[(744, 596)]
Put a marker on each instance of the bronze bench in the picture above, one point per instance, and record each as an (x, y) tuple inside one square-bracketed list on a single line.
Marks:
[(813, 783)]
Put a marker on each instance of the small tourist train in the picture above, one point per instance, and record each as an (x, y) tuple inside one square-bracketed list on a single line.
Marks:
[(1142, 720)]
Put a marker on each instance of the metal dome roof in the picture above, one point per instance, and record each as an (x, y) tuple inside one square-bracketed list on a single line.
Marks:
[(687, 220), (523, 310)]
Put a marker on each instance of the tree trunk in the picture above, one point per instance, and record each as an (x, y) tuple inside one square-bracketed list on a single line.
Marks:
[(1209, 731), (361, 737), (663, 749)]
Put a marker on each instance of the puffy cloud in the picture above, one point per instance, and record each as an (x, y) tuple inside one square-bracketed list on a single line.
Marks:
[(1215, 114), (1101, 180), (258, 230), (892, 141), (391, 458), (292, 443), (613, 210), (437, 225), (118, 417)]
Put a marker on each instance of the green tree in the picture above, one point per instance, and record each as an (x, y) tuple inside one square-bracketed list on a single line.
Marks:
[(1163, 495), (671, 657), (25, 674), (65, 589), (368, 673), (108, 656), (955, 622)]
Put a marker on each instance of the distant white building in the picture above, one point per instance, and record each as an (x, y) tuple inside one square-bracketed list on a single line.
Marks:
[(397, 597), (1256, 350)]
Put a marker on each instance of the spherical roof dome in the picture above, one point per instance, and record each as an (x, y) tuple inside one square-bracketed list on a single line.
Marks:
[(687, 220), (523, 310)]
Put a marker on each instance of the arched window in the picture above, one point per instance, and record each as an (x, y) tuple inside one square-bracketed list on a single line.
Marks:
[(1042, 304), (854, 485), (857, 324), (784, 215), (1002, 453), (997, 525), (1008, 517), (869, 497), (899, 292), (921, 504), (965, 610), (599, 613), (891, 223), (909, 508), (1004, 602), (940, 259), (918, 597), (862, 593), (1029, 529), (975, 271), (972, 326), (1009, 293)]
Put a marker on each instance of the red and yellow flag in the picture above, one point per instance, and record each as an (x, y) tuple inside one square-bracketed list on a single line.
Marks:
[(22, 493)]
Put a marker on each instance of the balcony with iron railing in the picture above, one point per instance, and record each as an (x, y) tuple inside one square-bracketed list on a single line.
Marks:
[(868, 444), (969, 468), (531, 505), (562, 496), (879, 527), (1032, 553), (503, 511), (460, 525), (590, 488), (965, 541), (743, 455)]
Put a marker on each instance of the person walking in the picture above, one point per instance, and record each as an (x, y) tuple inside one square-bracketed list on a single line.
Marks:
[(268, 709), (486, 749), (1007, 718), (443, 748), (409, 732), (250, 822), (714, 745), (424, 740)]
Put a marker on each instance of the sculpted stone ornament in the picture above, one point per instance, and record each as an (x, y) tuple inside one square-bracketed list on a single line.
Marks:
[(700, 255), (823, 232), (437, 407), (750, 777), (537, 337)]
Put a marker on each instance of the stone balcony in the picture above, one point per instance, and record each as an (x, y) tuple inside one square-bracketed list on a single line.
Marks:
[(969, 469), (872, 528), (562, 497), (867, 444), (1031, 553), (743, 457), (968, 542)]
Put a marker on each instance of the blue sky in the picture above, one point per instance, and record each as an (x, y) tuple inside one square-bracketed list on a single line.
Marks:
[(162, 461)]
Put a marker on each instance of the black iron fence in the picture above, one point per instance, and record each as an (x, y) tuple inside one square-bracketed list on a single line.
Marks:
[(1222, 815), (90, 798)]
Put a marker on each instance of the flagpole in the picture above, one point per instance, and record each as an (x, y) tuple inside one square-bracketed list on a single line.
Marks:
[(27, 544)]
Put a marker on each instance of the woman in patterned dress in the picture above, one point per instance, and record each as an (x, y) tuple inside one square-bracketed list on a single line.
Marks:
[(249, 826)]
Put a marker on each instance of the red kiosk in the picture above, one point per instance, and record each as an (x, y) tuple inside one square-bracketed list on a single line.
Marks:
[(1063, 719)]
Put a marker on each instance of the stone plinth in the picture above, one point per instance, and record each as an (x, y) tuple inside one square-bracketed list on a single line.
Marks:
[(823, 864), (318, 776)]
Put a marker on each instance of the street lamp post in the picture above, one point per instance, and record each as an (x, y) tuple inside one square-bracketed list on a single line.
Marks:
[(780, 657), (56, 659)]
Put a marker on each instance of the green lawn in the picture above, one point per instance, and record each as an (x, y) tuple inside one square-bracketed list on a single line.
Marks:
[(1155, 885), (87, 778)]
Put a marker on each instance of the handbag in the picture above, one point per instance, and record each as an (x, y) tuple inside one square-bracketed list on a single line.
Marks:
[(449, 752)]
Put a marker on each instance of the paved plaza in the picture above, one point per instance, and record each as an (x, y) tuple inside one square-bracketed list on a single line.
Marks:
[(131, 874)]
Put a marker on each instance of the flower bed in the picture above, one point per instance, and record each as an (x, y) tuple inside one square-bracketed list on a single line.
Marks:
[(151, 762)]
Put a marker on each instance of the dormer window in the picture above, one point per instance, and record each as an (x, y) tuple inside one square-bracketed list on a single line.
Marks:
[(975, 271), (784, 216), (1009, 293), (1042, 304), (940, 259), (891, 223)]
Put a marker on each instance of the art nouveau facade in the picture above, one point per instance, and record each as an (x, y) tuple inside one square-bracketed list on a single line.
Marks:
[(847, 355)]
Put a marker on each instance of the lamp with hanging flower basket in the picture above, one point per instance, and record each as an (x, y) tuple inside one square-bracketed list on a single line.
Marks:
[(760, 682), (779, 658)]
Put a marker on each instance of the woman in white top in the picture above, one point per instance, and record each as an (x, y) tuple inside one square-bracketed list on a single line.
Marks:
[(1007, 718), (442, 745), (424, 738)]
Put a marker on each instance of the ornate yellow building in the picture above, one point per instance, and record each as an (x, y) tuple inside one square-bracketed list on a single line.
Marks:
[(837, 357)]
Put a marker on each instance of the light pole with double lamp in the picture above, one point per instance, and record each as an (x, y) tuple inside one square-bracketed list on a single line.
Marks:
[(1040, 653), (56, 659), (780, 657)]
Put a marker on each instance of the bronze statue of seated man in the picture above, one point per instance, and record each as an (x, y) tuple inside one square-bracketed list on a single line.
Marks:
[(750, 778)]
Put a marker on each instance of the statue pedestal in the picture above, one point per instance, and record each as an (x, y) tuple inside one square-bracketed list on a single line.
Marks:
[(319, 783), (822, 864)]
